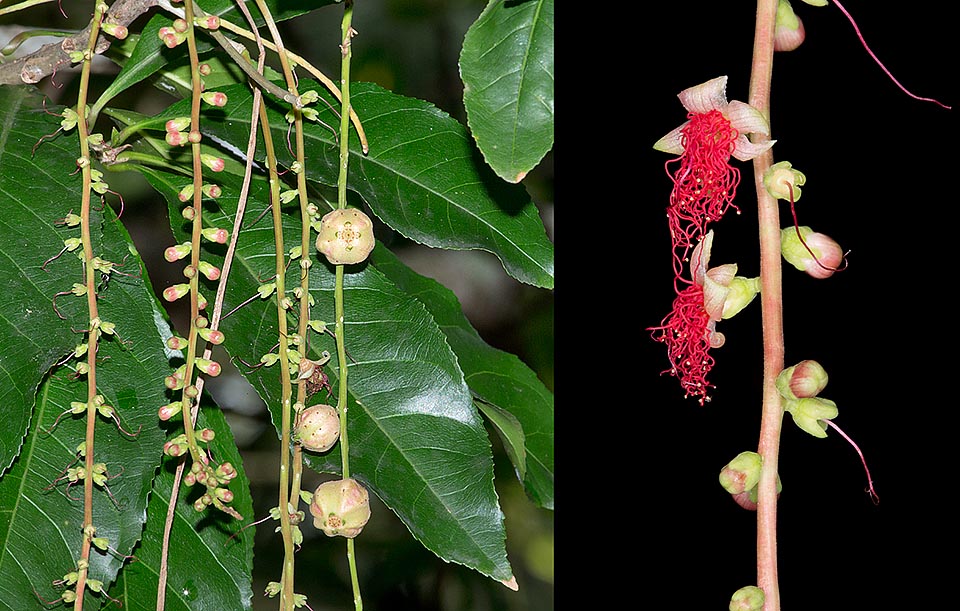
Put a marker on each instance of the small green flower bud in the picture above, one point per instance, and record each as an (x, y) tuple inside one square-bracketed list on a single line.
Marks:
[(191, 391), (176, 138), (803, 380), (194, 137), (213, 191), (185, 194), (318, 427), (206, 435), (180, 25), (212, 272), (273, 588), (173, 449), (215, 234), (309, 97), (809, 414), (177, 252), (226, 471), (346, 236), (748, 598), (188, 212), (296, 167), (172, 293), (213, 336), (205, 69), (76, 57), (212, 161), (223, 494), (288, 196), (175, 342), (742, 473), (742, 291), (340, 508), (169, 410), (214, 98), (211, 368), (780, 177), (178, 124)]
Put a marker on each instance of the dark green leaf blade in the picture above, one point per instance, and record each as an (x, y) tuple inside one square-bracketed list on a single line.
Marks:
[(422, 176), (415, 437), (40, 530), (196, 540), (497, 378), (507, 69)]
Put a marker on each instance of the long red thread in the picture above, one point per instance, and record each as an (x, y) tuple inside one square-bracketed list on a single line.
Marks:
[(705, 183), (686, 333)]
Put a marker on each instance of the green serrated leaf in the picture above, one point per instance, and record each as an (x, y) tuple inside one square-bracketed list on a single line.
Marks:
[(40, 517), (196, 540), (422, 176), (507, 69), (510, 432), (497, 378), (416, 439)]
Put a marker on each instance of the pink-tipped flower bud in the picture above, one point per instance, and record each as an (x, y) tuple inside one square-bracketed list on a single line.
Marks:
[(173, 383), (173, 449), (201, 322), (809, 414), (189, 271), (742, 473), (178, 124), (215, 234), (206, 435), (789, 32), (188, 212), (820, 257), (205, 69), (226, 471), (211, 368), (176, 138), (213, 336), (170, 410), (804, 380), (199, 505), (748, 598), (346, 236), (318, 428), (213, 191), (194, 137), (116, 30), (340, 508), (213, 162), (191, 391), (212, 272), (211, 22), (186, 194), (177, 252), (175, 342), (189, 479), (223, 494), (172, 293), (180, 25), (201, 301), (214, 98)]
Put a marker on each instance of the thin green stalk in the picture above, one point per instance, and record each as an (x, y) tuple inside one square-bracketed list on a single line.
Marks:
[(346, 35), (771, 299), (91, 294), (23, 5), (286, 530)]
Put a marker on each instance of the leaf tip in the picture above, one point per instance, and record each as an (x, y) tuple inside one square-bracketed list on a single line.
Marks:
[(511, 583)]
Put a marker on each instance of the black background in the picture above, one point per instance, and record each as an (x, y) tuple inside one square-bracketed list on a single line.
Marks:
[(881, 173)]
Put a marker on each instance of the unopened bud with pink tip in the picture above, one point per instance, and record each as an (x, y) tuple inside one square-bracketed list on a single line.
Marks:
[(211, 368), (803, 380), (175, 342), (212, 161), (115, 29), (174, 449), (214, 98), (814, 253), (213, 336), (178, 124), (206, 435), (172, 293), (170, 410), (211, 22), (176, 138), (213, 191), (177, 252), (212, 272), (215, 234), (789, 33), (226, 472), (742, 473), (340, 508)]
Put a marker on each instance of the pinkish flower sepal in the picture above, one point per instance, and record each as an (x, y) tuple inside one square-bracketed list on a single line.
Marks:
[(789, 33), (711, 96)]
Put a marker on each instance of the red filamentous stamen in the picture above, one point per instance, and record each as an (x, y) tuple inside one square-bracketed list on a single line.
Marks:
[(686, 332), (705, 183)]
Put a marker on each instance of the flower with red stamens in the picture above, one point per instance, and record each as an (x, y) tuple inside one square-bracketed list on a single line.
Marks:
[(704, 181), (689, 331)]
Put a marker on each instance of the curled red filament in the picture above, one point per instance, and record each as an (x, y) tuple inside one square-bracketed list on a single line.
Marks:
[(686, 331)]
